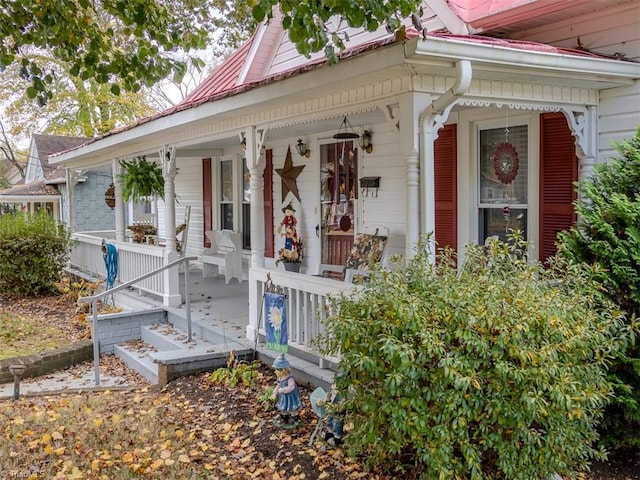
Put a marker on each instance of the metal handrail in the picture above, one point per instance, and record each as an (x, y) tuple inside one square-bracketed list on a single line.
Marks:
[(94, 304)]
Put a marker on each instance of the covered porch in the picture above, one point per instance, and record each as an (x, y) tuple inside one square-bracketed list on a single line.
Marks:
[(223, 313)]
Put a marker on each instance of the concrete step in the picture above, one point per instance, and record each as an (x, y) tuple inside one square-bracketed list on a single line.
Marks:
[(165, 337), (136, 355), (132, 299)]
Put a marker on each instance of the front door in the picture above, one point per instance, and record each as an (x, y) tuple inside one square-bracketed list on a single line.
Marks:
[(338, 195)]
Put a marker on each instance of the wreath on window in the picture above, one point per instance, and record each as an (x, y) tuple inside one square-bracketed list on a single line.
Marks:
[(506, 163)]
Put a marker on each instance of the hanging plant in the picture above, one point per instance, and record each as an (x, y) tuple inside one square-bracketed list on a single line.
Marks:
[(141, 180)]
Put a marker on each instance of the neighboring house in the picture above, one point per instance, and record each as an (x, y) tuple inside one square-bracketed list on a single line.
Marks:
[(45, 186), (480, 125)]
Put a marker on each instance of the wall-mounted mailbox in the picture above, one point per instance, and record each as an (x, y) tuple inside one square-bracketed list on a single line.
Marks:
[(369, 182)]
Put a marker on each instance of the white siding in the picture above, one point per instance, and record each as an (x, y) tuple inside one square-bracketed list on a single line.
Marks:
[(388, 208), (189, 192), (609, 31), (619, 118)]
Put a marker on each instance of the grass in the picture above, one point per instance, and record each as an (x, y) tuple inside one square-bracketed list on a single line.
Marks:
[(24, 335)]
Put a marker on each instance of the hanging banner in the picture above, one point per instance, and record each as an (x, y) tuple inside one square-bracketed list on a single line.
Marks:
[(275, 321)]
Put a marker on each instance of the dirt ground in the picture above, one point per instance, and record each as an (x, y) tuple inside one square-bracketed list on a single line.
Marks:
[(240, 404)]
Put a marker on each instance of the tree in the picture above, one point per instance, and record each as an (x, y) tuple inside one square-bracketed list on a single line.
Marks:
[(309, 27), (8, 151), (81, 33), (608, 234), (77, 107)]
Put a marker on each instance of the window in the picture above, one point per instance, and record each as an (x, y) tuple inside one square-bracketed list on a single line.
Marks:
[(226, 195), (503, 179), (246, 206), (234, 197)]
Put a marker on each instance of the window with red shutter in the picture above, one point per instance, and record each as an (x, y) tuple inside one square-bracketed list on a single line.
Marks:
[(445, 169), (558, 172)]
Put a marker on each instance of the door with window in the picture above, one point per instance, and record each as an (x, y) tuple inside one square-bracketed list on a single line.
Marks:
[(503, 182), (338, 196)]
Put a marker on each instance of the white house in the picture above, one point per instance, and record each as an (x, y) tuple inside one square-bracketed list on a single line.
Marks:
[(478, 126)]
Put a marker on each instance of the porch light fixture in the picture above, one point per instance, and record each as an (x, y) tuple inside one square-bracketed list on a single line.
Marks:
[(365, 141), (302, 149)]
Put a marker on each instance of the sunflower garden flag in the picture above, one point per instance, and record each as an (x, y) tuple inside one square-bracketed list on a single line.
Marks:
[(276, 321)]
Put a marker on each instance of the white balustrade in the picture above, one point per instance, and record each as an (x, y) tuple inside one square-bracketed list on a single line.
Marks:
[(307, 305), (134, 259)]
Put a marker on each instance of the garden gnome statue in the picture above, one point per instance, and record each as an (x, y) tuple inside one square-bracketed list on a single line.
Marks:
[(286, 393), (335, 420)]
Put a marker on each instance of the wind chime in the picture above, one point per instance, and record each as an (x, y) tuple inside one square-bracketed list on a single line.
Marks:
[(505, 165)]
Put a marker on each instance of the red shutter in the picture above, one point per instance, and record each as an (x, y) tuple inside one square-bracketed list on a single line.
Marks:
[(207, 206), (558, 172), (268, 204), (445, 159)]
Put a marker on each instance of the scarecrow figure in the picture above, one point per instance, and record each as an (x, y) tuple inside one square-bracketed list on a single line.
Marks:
[(287, 228), (286, 393)]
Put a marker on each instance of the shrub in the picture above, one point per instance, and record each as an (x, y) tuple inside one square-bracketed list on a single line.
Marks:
[(608, 234), (495, 370), (33, 253)]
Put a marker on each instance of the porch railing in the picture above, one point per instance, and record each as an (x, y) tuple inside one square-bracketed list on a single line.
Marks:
[(134, 259), (307, 306)]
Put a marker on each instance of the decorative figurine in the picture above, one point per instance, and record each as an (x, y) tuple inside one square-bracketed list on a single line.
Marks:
[(287, 227), (286, 392), (335, 419)]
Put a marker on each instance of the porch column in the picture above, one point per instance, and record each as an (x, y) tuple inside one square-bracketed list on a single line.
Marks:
[(168, 161), (72, 179), (255, 164), (171, 295), (411, 104), (116, 169), (433, 119)]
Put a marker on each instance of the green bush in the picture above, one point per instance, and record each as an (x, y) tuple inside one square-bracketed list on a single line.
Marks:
[(33, 253), (495, 370), (608, 234)]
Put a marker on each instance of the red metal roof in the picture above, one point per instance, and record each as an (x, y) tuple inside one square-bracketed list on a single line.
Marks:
[(223, 78)]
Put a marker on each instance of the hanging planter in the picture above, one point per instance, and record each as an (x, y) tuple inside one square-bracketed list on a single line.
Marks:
[(141, 180), (110, 196), (506, 163)]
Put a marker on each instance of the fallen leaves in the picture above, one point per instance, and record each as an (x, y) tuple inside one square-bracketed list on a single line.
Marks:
[(193, 429)]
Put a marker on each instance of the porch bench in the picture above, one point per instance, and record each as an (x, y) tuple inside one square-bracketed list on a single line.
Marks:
[(226, 252)]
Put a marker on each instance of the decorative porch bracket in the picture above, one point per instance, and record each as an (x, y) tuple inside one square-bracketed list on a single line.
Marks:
[(583, 126)]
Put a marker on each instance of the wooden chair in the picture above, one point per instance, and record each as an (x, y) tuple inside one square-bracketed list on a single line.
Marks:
[(226, 252), (368, 249)]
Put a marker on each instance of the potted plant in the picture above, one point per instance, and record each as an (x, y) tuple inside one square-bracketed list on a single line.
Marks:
[(291, 258)]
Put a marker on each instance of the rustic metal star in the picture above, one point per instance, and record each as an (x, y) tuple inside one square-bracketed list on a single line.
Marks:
[(288, 173)]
